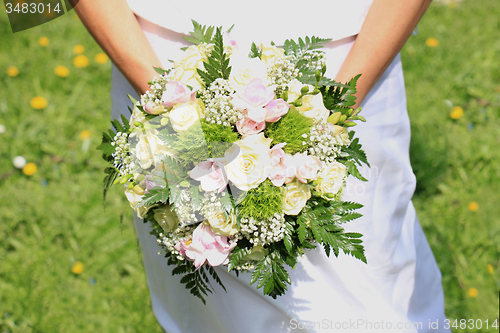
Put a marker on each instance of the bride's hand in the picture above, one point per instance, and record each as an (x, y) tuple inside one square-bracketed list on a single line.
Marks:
[(114, 26), (385, 30)]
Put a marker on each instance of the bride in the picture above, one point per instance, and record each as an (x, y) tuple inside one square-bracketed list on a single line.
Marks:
[(399, 290)]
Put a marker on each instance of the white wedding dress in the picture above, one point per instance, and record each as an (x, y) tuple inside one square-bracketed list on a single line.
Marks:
[(399, 290)]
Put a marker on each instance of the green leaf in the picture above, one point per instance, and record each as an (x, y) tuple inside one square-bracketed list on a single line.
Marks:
[(255, 52), (201, 34), (217, 64), (236, 257), (155, 195), (353, 170)]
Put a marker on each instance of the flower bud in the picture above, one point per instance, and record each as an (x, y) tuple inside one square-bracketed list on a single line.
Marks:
[(284, 95), (125, 179), (342, 118), (317, 75), (138, 124), (350, 124), (164, 121), (297, 103), (304, 90), (315, 91), (334, 117), (138, 190), (130, 186)]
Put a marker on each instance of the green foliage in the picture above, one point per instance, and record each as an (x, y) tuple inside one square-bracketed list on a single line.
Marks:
[(354, 150), (325, 228), (236, 257), (340, 97), (255, 52), (190, 146), (301, 48), (216, 135), (289, 129), (262, 202), (271, 274), (155, 195), (217, 64), (201, 34)]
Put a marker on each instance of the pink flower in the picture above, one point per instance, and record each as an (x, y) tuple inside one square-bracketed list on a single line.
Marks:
[(175, 93), (150, 184), (247, 126), (304, 166), (275, 109), (253, 99), (228, 40), (206, 246), (153, 108), (279, 171), (211, 175)]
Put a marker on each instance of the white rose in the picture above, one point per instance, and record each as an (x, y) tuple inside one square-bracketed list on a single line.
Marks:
[(223, 226), (294, 88), (186, 70), (331, 178), (296, 196), (185, 115), (313, 107), (344, 135), (134, 198), (166, 218), (146, 145), (269, 53), (244, 70), (252, 165)]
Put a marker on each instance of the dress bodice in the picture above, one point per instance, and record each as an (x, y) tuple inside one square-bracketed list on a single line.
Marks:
[(259, 20)]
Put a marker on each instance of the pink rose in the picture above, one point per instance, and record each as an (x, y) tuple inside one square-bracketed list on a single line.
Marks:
[(211, 175), (153, 108), (253, 99), (247, 126), (175, 93), (304, 166), (275, 109), (279, 171), (206, 246)]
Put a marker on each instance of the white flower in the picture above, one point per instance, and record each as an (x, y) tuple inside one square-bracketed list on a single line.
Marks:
[(331, 178), (19, 162), (134, 199), (146, 146), (269, 53), (2, 129), (252, 165), (166, 218), (186, 70), (296, 196), (223, 226), (244, 70), (185, 115), (313, 107)]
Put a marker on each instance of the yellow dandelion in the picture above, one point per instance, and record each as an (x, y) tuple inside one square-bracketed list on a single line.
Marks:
[(472, 292), (29, 169), (38, 103), (78, 49), (77, 267), (61, 71), (101, 58), (81, 61), (12, 71), (43, 41), (456, 112), (432, 42), (473, 206), (490, 269), (85, 134)]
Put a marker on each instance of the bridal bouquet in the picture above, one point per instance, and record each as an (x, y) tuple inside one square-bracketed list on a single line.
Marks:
[(240, 160)]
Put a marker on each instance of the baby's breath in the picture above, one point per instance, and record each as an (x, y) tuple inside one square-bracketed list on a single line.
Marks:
[(218, 106)]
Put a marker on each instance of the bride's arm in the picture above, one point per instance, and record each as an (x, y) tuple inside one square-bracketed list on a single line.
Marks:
[(114, 26), (387, 26)]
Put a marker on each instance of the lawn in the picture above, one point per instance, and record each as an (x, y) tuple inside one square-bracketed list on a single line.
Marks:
[(70, 263)]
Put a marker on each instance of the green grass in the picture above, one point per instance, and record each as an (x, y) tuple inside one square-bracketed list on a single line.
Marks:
[(56, 217)]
